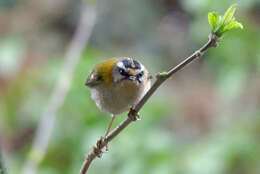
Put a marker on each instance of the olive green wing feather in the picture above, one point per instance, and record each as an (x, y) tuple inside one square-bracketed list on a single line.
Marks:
[(93, 79)]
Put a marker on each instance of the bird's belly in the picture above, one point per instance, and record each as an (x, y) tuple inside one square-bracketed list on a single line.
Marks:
[(117, 98)]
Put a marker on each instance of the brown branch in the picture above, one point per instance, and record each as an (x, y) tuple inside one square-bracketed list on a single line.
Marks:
[(97, 150), (58, 96)]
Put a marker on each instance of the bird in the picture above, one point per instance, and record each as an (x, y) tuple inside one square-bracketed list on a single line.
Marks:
[(117, 84)]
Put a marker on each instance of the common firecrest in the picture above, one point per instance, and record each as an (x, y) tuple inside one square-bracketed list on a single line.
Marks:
[(117, 84)]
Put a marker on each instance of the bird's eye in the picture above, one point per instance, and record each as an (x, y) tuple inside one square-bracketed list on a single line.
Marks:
[(122, 72), (140, 74)]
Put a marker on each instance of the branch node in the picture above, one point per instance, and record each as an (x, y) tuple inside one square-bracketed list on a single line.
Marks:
[(214, 38), (98, 152), (198, 53), (133, 115), (162, 75)]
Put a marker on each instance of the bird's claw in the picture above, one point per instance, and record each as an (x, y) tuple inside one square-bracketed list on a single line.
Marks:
[(133, 115), (98, 148)]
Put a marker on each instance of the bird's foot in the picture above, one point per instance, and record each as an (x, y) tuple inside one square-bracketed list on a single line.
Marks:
[(133, 115), (98, 148)]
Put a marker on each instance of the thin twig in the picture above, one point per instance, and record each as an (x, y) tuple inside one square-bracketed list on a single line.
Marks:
[(72, 56), (97, 150)]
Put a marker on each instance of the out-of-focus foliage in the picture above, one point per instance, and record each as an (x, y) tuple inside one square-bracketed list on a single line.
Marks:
[(206, 119)]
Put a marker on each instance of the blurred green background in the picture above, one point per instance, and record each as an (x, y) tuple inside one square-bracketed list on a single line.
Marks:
[(204, 120)]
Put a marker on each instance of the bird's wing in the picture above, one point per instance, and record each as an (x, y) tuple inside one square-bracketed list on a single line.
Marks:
[(93, 79)]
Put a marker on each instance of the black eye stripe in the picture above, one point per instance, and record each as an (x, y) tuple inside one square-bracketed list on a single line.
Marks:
[(123, 72)]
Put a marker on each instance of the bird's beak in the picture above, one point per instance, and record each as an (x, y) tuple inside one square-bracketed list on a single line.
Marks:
[(132, 75), (133, 78)]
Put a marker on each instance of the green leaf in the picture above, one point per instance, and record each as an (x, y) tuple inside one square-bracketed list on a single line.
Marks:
[(228, 16), (232, 25), (213, 19), (228, 22)]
